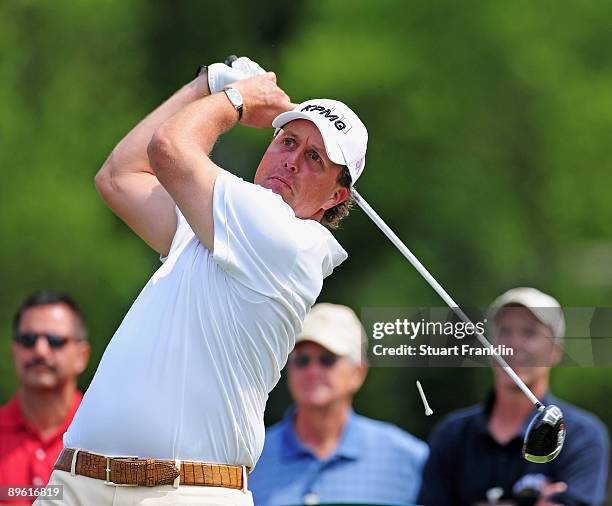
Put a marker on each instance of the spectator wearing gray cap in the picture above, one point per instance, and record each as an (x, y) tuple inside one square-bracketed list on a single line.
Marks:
[(476, 452), (322, 451)]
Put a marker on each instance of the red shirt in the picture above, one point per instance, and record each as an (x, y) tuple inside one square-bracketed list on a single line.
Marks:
[(26, 459)]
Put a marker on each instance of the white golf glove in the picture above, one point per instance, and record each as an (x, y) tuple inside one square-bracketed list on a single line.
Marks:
[(220, 74)]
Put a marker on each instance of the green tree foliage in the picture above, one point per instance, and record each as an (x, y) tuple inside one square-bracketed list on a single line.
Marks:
[(70, 87)]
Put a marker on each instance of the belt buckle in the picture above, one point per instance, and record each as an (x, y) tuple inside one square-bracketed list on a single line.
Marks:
[(108, 481)]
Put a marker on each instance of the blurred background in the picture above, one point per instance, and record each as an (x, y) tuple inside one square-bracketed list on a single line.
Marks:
[(490, 126)]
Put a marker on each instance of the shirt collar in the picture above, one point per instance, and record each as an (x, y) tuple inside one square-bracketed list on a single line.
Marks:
[(482, 420), (348, 447)]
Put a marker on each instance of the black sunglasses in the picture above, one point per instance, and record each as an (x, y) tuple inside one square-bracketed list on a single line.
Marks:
[(326, 360), (28, 339)]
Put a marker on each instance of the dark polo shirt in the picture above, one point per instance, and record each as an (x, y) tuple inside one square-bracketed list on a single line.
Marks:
[(465, 461)]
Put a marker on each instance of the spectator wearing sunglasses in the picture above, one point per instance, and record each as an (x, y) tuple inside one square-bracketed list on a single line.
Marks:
[(322, 451), (50, 350)]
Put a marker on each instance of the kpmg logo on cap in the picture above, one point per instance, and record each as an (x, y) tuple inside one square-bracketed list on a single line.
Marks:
[(339, 121)]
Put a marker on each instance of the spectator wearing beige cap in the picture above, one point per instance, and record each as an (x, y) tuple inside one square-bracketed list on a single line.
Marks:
[(322, 451), (476, 452)]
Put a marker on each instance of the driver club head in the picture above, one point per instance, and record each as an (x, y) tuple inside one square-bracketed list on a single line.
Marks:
[(545, 435)]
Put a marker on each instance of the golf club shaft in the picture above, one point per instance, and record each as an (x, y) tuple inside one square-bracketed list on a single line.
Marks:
[(441, 292)]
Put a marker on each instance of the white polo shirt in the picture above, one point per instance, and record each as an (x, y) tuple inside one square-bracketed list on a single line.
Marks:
[(187, 374)]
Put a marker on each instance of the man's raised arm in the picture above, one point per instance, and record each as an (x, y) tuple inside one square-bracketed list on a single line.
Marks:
[(179, 150), (126, 181)]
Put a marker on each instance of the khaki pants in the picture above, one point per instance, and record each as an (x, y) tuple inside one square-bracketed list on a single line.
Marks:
[(83, 491)]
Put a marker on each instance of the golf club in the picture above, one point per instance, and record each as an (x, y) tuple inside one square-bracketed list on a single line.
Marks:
[(546, 433)]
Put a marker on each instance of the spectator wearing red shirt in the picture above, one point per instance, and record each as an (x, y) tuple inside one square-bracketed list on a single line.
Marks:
[(50, 350)]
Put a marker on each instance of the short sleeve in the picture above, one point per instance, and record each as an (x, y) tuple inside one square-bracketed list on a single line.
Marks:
[(182, 234), (259, 241)]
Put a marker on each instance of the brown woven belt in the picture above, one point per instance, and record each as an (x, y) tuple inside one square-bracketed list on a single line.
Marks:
[(150, 472)]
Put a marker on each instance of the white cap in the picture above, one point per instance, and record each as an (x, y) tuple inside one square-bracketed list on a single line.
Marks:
[(336, 328), (344, 135), (544, 307)]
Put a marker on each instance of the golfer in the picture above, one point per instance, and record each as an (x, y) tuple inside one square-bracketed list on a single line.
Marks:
[(176, 405)]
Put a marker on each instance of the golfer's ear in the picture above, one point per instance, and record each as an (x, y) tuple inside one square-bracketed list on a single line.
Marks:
[(340, 195)]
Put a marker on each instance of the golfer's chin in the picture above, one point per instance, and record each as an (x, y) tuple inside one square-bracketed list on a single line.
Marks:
[(288, 195), (279, 188)]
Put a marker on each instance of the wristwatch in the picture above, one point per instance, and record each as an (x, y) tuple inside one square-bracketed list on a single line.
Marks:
[(235, 98)]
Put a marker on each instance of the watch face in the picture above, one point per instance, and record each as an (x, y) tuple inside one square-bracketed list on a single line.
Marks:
[(235, 97)]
